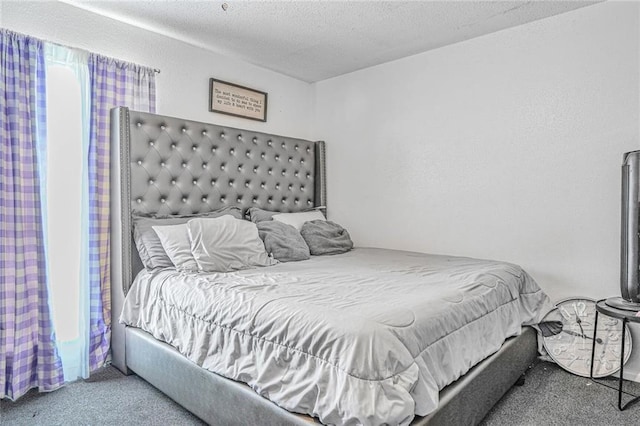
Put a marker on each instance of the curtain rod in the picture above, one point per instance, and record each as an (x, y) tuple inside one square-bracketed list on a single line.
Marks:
[(155, 70)]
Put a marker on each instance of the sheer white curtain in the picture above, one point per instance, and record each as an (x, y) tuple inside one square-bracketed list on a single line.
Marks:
[(66, 220)]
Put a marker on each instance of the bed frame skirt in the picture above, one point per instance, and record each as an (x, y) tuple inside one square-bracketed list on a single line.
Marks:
[(221, 401)]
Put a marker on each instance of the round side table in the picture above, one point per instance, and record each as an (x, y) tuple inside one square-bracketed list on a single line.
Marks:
[(625, 316)]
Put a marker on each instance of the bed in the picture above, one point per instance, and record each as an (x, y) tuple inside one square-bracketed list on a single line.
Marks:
[(169, 166)]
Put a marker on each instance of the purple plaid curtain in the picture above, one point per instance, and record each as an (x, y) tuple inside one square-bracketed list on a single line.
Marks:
[(28, 356), (113, 83)]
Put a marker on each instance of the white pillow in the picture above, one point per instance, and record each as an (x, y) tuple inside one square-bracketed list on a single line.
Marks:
[(298, 219), (226, 244), (175, 241)]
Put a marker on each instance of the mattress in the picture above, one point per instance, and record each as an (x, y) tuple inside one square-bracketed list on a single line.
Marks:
[(366, 337)]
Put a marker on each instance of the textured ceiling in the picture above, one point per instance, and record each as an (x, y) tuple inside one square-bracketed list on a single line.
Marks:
[(315, 40)]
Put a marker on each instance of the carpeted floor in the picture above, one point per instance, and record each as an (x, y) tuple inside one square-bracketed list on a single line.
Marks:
[(550, 396), (107, 398)]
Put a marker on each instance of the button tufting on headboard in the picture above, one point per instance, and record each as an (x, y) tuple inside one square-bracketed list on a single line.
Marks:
[(171, 158)]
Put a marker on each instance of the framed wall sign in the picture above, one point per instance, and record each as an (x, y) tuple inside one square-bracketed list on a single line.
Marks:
[(233, 99)]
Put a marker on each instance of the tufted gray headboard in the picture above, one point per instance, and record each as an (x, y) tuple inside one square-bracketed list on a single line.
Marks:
[(168, 165)]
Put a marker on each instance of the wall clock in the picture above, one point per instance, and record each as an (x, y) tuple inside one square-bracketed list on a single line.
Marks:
[(571, 348)]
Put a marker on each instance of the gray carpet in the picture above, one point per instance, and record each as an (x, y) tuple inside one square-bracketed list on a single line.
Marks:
[(107, 398), (550, 396)]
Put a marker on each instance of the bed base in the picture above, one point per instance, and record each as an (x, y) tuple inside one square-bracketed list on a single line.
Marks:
[(221, 401)]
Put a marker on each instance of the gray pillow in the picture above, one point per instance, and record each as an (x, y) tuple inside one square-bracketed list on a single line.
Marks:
[(256, 215), (283, 241), (149, 246), (326, 237)]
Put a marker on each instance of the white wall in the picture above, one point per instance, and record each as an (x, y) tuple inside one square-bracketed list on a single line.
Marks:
[(183, 84), (507, 146)]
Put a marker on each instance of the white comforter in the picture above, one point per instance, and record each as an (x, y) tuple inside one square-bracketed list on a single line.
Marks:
[(366, 337)]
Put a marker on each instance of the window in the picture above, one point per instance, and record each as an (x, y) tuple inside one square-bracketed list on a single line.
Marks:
[(64, 210)]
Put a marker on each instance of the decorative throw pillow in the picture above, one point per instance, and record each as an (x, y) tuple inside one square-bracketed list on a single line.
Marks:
[(298, 219), (226, 244), (326, 237), (149, 247), (175, 241), (283, 241)]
